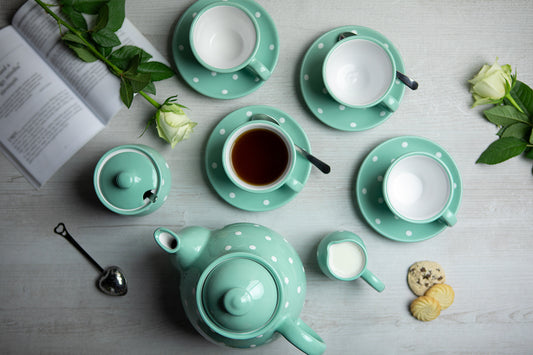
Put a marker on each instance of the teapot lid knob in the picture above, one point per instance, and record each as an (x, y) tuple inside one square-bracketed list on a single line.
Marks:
[(238, 301)]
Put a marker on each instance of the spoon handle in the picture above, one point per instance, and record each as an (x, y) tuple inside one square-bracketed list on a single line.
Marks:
[(62, 231), (323, 167), (410, 83)]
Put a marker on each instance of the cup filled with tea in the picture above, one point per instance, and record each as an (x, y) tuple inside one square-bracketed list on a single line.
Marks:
[(259, 156), (342, 256), (418, 187), (359, 72), (224, 37)]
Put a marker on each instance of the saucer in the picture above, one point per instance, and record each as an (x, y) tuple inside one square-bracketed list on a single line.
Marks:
[(369, 195), (223, 85), (317, 98), (231, 193)]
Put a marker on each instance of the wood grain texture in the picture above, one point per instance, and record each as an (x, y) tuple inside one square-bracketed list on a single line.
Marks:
[(48, 303)]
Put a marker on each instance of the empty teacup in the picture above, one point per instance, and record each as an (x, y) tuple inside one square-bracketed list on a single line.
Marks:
[(342, 255), (224, 38), (259, 156), (418, 187), (360, 72)]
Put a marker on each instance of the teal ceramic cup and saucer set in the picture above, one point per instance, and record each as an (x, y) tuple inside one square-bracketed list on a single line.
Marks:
[(368, 92), (239, 61), (264, 195), (409, 189)]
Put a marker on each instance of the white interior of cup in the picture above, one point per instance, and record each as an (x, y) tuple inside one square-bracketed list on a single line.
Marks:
[(346, 259), (358, 72), (227, 157), (418, 187), (224, 37)]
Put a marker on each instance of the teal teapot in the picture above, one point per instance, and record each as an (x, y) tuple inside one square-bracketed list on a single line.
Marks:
[(241, 285)]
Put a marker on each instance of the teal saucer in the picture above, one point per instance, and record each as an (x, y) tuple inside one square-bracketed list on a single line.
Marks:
[(223, 85), (322, 105), (236, 196), (369, 195)]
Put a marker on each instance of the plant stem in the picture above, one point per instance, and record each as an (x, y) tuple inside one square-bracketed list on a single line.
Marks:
[(150, 100), (513, 102), (113, 68)]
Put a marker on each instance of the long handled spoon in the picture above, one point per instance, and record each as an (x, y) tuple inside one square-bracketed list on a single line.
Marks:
[(410, 83), (112, 281), (323, 167)]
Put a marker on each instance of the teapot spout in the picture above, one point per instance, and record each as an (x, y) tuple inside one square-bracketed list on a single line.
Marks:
[(186, 246)]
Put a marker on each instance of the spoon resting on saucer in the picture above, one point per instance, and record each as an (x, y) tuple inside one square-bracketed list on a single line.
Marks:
[(112, 281), (410, 83), (323, 167)]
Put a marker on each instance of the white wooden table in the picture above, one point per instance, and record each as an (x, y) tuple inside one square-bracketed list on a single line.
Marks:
[(48, 303)]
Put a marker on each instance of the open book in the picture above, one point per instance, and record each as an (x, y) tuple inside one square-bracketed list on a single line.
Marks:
[(51, 102)]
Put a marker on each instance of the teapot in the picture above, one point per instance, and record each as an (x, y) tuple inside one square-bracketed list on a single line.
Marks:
[(241, 286)]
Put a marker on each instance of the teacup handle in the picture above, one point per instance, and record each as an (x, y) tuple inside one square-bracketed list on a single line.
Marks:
[(390, 102), (449, 218), (302, 336), (373, 281), (294, 184), (260, 69)]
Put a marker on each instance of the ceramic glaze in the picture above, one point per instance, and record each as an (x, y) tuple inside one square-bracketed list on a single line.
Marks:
[(418, 187), (224, 37), (358, 72), (346, 259)]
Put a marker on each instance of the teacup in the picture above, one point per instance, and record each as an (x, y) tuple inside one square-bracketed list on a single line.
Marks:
[(342, 256), (259, 156), (418, 187), (359, 72), (224, 37)]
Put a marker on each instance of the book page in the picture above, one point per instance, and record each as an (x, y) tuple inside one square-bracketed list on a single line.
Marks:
[(42, 122), (92, 81)]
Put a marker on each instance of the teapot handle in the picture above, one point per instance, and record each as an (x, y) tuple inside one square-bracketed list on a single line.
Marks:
[(302, 336)]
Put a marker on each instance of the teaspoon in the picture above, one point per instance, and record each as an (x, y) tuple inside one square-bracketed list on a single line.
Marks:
[(410, 83), (112, 281), (325, 168)]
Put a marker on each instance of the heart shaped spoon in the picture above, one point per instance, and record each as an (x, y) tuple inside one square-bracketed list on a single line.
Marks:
[(112, 281)]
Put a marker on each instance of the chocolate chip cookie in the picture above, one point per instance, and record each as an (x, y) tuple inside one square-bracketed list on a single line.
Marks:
[(424, 274)]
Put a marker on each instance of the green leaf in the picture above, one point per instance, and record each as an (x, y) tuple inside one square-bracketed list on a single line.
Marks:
[(159, 71), (531, 137), (105, 51), (83, 53), (75, 18), (517, 130), (150, 89), (126, 92), (504, 115), (501, 150), (71, 37), (138, 80), (123, 56), (101, 19), (529, 153), (523, 95), (88, 6), (117, 14), (106, 38)]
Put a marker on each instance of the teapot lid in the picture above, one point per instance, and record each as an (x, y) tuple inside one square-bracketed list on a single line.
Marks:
[(127, 179), (239, 295)]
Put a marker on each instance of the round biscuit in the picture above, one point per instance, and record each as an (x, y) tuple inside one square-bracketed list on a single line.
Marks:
[(425, 308), (443, 293)]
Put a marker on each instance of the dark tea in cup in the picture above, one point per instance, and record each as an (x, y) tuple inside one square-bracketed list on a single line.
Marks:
[(259, 156)]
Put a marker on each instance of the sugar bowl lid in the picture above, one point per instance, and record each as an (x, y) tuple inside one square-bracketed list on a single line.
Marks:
[(128, 179), (239, 296)]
